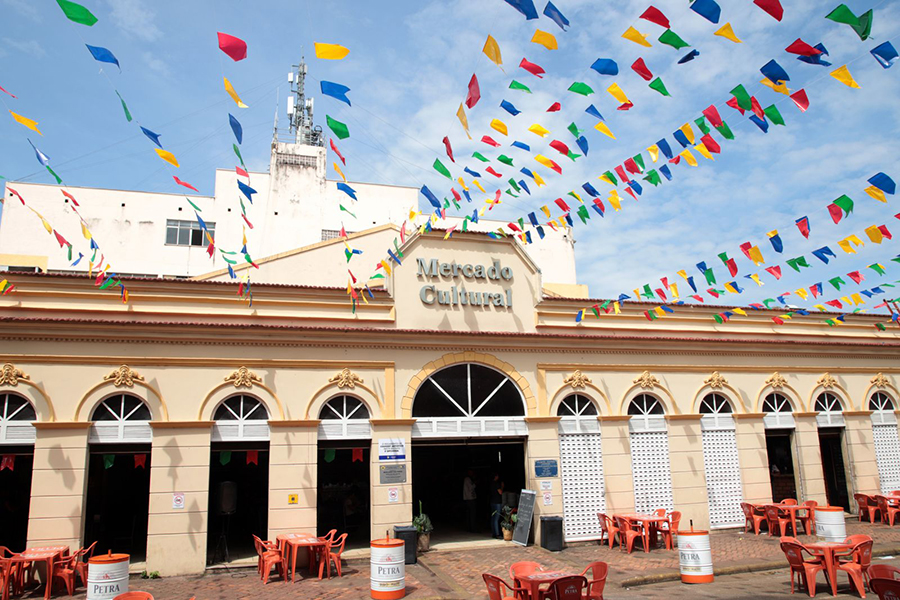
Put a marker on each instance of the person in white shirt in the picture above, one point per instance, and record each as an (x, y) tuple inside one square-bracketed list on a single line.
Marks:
[(469, 499)]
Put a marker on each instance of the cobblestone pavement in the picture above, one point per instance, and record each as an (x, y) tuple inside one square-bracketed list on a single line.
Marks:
[(456, 574)]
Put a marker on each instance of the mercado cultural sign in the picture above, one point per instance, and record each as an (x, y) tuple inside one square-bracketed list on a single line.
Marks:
[(457, 295)]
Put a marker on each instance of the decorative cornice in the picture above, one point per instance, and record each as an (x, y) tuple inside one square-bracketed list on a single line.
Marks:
[(542, 419), (297, 423), (880, 381), (715, 381), (181, 424), (346, 379), (243, 377), (646, 380), (577, 380), (10, 375), (776, 380), (124, 376), (827, 381)]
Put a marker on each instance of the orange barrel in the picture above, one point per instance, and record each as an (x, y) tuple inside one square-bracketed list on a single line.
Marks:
[(830, 525), (388, 569), (107, 576), (695, 557)]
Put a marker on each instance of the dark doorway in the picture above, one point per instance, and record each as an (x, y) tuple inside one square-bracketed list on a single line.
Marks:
[(781, 464), (343, 491), (118, 499), (15, 495), (238, 500), (438, 470), (833, 468)]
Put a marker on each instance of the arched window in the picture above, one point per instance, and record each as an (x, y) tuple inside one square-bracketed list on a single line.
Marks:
[(886, 441), (16, 416), (121, 418), (650, 465), (721, 463), (647, 413), (344, 417), (240, 418), (882, 407), (778, 412), (469, 400), (579, 415), (716, 411), (830, 410)]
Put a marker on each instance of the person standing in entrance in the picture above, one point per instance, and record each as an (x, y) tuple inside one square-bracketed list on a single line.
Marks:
[(496, 505), (469, 499)]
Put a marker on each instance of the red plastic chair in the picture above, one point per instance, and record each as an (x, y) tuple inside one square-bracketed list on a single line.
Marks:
[(495, 587), (669, 529), (269, 556), (520, 569), (328, 555), (65, 569), (751, 519), (863, 508), (804, 569), (134, 596), (888, 512), (778, 522), (628, 533), (883, 572), (874, 509), (599, 570), (81, 565), (809, 520), (566, 588), (858, 561), (887, 589), (607, 528)]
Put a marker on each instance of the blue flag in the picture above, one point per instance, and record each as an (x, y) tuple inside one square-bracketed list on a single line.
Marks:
[(883, 183), (526, 7), (605, 66), (761, 123), (521, 145), (554, 15), (587, 187), (471, 172), (347, 189), (774, 73), (103, 55), (680, 138), (336, 91), (42, 158), (524, 187), (885, 54), (154, 137), (236, 128), (431, 197), (776, 243), (823, 253), (533, 219), (592, 110), (689, 57), (247, 190), (816, 59), (508, 107), (582, 144), (708, 9), (664, 169), (663, 146)]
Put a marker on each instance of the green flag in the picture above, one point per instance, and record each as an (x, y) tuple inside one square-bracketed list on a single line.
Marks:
[(505, 159), (837, 282), (515, 185), (647, 293), (515, 85), (573, 129), (653, 177), (339, 129), (796, 263), (341, 206), (774, 115), (658, 85), (440, 168), (197, 208), (862, 25), (743, 98), (573, 156), (637, 158), (581, 88), (124, 107), (225, 457), (845, 203), (78, 13), (108, 459), (237, 151), (880, 326), (710, 277), (582, 214), (718, 319), (877, 268), (612, 178), (55, 176), (725, 131), (480, 157), (701, 125), (670, 38)]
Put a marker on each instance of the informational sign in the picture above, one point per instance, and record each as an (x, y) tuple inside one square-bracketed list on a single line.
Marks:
[(546, 486), (525, 514), (546, 468), (293, 499), (391, 449), (393, 495), (548, 498), (392, 474), (178, 501)]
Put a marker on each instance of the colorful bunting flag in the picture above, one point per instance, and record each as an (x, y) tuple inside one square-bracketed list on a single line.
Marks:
[(330, 51)]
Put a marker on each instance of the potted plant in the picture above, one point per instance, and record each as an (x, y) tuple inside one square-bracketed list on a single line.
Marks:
[(422, 523), (508, 519)]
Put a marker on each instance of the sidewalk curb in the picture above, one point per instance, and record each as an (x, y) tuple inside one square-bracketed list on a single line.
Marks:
[(731, 570)]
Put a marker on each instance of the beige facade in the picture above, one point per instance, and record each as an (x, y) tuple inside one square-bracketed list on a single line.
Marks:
[(185, 347)]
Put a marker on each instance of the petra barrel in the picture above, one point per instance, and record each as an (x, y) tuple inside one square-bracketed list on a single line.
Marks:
[(107, 576), (388, 578), (695, 557)]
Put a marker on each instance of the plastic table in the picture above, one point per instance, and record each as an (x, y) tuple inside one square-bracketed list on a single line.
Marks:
[(827, 550), (46, 554), (793, 509), (293, 542), (653, 521), (534, 581)]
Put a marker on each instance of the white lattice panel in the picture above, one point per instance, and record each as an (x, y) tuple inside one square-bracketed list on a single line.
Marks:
[(723, 478), (887, 455), (582, 485), (651, 471)]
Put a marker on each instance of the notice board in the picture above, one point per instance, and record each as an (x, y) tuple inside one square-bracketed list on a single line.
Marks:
[(524, 517)]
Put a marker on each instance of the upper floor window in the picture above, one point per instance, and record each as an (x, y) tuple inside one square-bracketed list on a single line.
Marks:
[(188, 233), (332, 234)]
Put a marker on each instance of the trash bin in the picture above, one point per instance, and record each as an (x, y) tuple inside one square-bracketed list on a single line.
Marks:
[(409, 534), (552, 533)]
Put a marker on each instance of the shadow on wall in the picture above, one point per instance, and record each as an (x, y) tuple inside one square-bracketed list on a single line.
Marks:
[(61, 463)]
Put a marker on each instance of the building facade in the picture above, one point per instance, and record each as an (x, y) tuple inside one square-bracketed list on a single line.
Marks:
[(177, 425)]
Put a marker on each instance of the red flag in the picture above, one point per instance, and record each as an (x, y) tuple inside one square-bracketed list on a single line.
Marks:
[(772, 7), (856, 276), (884, 231), (733, 103), (562, 204), (774, 271), (253, 455), (815, 290), (8, 462), (711, 144), (698, 297), (490, 141), (621, 173), (756, 108), (474, 94), (16, 194), (344, 231), (835, 303), (357, 455), (553, 166), (647, 314), (631, 192), (7, 93), (732, 266), (70, 197), (745, 248), (559, 147), (235, 48), (641, 69), (661, 294), (334, 149), (712, 292), (836, 212), (249, 224), (513, 227), (59, 238), (654, 15), (625, 106), (211, 249), (778, 320), (351, 275), (446, 141), (532, 68), (241, 172), (599, 204), (631, 166), (712, 114), (802, 48), (140, 460), (456, 195), (803, 226), (555, 107), (675, 160), (185, 184), (800, 99), (493, 172)]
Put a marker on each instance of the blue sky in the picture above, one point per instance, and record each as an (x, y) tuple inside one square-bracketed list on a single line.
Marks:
[(408, 67)]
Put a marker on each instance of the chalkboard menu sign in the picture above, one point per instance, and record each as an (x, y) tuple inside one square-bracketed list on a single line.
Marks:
[(524, 516)]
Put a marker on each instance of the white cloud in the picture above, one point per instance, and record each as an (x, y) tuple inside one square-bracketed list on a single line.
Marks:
[(135, 18), (26, 8), (30, 47), (155, 64)]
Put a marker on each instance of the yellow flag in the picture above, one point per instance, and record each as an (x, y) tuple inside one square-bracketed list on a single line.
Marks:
[(616, 307), (874, 234), (637, 294), (820, 307), (539, 180), (330, 51), (234, 95), (876, 193), (688, 132), (492, 50), (673, 287), (730, 288), (32, 125), (701, 148), (633, 35), (481, 212), (85, 232), (727, 32), (462, 183), (544, 161), (802, 293), (167, 156), (756, 256), (688, 157), (781, 88), (843, 75), (499, 125), (337, 170), (857, 299), (617, 93), (615, 200), (386, 266), (449, 232), (46, 225), (602, 128), (478, 185), (846, 299), (537, 129), (659, 311), (574, 193), (562, 222), (846, 246), (755, 278), (461, 115), (544, 39), (606, 178), (654, 152), (683, 274)]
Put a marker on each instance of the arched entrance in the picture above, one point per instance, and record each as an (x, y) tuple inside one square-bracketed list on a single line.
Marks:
[(470, 427), (887, 442), (16, 461), (581, 465), (830, 419), (779, 424), (720, 462), (650, 465)]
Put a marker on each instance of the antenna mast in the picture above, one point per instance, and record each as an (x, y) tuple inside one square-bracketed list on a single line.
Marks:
[(300, 109)]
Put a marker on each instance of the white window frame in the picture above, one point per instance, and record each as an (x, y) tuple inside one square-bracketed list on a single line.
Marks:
[(241, 428), (344, 427), (715, 417), (14, 430), (824, 406), (646, 419), (882, 407), (578, 419), (776, 417), (123, 428)]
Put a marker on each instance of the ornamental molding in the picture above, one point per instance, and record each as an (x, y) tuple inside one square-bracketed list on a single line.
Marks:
[(577, 380), (716, 381), (243, 377), (880, 381), (124, 376), (827, 381), (646, 380), (10, 375), (346, 379), (776, 381)]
